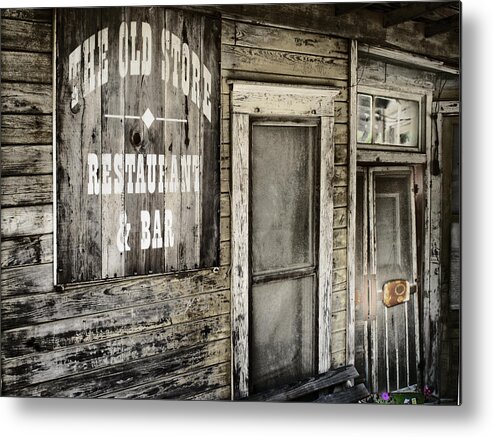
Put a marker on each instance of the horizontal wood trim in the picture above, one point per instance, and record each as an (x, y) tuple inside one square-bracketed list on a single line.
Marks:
[(26, 280), (29, 14), (180, 386), (26, 250), (278, 62), (26, 67), (26, 190), (27, 129), (339, 276), (234, 74), (262, 98), (27, 220), (34, 369), (130, 373), (103, 326), (26, 98), (380, 156), (109, 295), (26, 160), (30, 36), (276, 38)]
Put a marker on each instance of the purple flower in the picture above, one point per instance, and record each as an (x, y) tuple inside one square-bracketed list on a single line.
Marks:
[(384, 396), (427, 391)]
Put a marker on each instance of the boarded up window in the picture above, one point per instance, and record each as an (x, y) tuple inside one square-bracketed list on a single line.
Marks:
[(137, 142)]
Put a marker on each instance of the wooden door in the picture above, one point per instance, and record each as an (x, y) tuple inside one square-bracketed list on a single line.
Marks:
[(387, 337)]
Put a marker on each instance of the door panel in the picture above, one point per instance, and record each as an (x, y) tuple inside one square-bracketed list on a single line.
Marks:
[(283, 303), (283, 322), (386, 225)]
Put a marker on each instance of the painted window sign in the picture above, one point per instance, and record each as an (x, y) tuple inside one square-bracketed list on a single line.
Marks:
[(137, 129)]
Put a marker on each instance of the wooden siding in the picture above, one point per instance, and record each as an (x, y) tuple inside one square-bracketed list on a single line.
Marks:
[(272, 54), (156, 336)]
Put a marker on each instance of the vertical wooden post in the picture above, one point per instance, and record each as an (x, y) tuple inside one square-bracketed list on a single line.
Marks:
[(351, 227), (239, 253), (326, 243)]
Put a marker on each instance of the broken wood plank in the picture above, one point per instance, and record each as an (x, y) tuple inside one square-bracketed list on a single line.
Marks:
[(347, 396), (306, 386)]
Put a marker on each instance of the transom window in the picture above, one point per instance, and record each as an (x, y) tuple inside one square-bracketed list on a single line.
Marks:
[(388, 121)]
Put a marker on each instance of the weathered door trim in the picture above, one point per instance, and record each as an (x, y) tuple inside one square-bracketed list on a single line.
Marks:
[(256, 98)]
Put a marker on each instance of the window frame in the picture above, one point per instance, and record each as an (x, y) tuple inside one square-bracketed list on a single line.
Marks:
[(248, 101), (419, 96)]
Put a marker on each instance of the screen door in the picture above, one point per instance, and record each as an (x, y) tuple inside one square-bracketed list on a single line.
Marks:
[(283, 304), (387, 334)]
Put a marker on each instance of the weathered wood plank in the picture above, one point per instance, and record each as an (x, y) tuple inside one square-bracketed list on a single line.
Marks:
[(26, 98), (339, 359), (27, 220), (102, 296), (225, 253), (60, 334), (306, 386), (276, 38), (34, 369), (225, 205), (341, 135), (225, 229), (221, 393), (26, 67), (340, 218), (339, 258), (180, 386), (339, 276), (340, 154), (340, 196), (78, 134), (26, 190), (338, 341), (240, 281), (24, 160), (28, 280), (373, 156), (340, 176), (259, 76), (339, 300), (338, 321), (208, 205), (26, 129), (277, 62), (29, 14), (30, 36), (348, 396), (340, 237), (130, 373), (27, 250), (325, 255)]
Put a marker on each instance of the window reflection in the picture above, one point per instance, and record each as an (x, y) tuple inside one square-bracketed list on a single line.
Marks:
[(388, 121)]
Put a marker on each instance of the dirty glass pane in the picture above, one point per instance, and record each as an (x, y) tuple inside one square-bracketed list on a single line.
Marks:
[(364, 118), (282, 197), (282, 332), (394, 249), (396, 122)]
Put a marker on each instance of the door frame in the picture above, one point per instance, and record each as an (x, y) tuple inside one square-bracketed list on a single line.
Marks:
[(275, 100)]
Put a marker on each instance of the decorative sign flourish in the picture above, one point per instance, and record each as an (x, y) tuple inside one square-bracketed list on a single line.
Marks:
[(137, 142)]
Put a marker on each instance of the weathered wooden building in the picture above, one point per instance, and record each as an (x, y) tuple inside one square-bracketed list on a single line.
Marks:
[(207, 202)]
